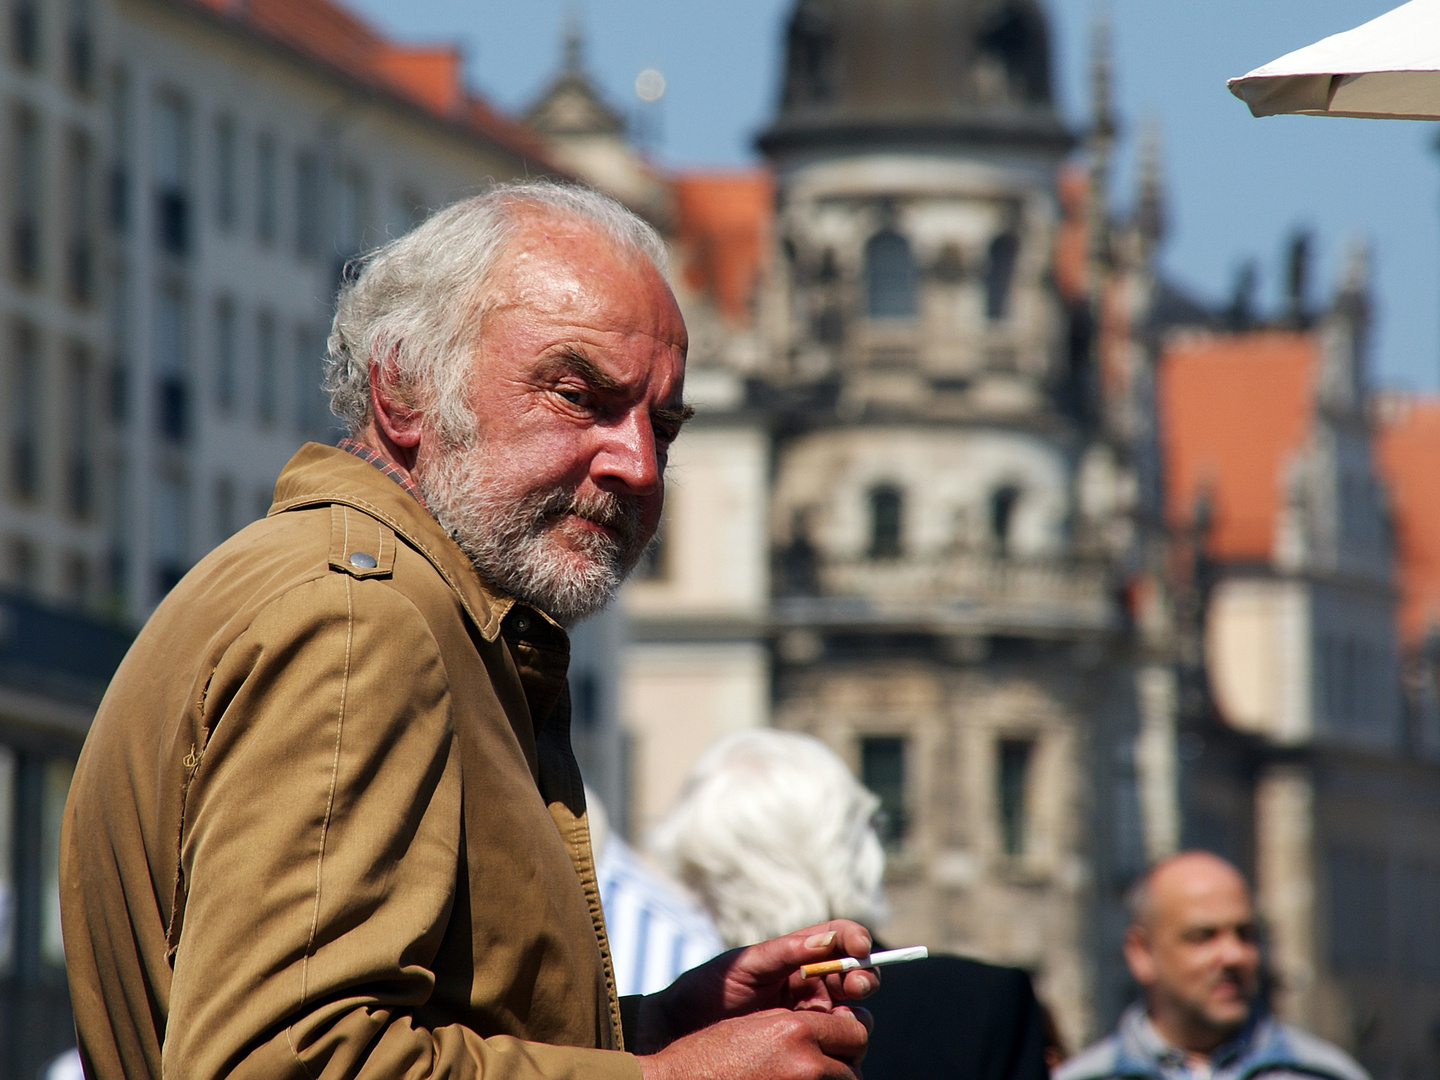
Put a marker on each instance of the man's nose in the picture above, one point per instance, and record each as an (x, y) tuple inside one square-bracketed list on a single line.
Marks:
[(628, 454)]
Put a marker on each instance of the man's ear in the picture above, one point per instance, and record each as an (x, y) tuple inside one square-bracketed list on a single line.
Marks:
[(396, 418), (1138, 956)]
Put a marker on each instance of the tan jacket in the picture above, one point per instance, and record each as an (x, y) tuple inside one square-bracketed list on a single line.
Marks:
[(327, 821)]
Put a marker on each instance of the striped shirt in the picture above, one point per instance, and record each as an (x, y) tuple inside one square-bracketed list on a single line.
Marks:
[(655, 932)]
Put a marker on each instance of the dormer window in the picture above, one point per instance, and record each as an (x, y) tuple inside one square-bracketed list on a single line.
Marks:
[(1000, 276), (891, 277)]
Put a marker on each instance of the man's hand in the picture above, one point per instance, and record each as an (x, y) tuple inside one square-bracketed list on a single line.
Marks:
[(755, 978), (777, 1044)]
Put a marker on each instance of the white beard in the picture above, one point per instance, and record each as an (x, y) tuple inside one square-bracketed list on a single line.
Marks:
[(513, 542)]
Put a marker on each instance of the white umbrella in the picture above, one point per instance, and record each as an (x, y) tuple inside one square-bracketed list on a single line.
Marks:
[(1389, 69)]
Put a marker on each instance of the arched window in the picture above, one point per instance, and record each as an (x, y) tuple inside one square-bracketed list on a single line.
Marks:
[(886, 512), (1002, 516), (891, 278), (1000, 275)]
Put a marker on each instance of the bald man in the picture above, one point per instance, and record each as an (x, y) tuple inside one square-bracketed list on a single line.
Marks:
[(1193, 949)]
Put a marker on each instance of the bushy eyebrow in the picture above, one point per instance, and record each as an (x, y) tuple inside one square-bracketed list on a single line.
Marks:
[(577, 364), (574, 363), (674, 416)]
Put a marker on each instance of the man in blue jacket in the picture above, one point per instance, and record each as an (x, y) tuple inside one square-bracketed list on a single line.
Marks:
[(1192, 948)]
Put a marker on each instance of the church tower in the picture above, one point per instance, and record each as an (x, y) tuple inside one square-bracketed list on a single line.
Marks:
[(946, 575)]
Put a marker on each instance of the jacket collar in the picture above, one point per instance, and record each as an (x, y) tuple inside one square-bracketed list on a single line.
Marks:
[(323, 475)]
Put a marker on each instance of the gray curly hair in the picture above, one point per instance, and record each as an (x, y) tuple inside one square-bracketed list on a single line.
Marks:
[(416, 304)]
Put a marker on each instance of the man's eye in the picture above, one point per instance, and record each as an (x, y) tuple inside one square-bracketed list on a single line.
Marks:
[(664, 435), (574, 397)]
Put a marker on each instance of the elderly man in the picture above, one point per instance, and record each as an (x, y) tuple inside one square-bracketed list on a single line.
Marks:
[(1193, 949), (328, 822)]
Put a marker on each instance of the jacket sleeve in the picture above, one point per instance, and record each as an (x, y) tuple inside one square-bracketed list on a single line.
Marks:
[(318, 858)]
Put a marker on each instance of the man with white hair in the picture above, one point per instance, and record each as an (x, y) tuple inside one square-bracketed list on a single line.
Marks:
[(773, 832), (327, 821)]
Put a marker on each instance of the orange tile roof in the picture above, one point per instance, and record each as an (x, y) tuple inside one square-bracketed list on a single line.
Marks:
[(1234, 409), (1408, 455), (430, 77), (723, 231)]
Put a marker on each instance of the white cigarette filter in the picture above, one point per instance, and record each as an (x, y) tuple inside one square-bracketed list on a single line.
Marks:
[(850, 963)]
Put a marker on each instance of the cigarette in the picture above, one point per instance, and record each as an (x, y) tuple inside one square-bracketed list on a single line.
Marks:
[(850, 963)]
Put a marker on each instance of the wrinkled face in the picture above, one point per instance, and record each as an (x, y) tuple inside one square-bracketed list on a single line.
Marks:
[(1198, 956), (576, 393)]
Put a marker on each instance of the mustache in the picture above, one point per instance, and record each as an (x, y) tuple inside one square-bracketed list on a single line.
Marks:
[(615, 512)]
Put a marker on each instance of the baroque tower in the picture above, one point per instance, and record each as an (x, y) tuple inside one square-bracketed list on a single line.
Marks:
[(948, 515)]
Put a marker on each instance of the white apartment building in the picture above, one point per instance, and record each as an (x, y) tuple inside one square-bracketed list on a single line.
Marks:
[(257, 148)]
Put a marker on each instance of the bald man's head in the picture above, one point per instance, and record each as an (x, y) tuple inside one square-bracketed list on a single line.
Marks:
[(1192, 947)]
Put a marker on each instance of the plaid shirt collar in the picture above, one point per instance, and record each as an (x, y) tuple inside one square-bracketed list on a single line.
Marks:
[(364, 453)]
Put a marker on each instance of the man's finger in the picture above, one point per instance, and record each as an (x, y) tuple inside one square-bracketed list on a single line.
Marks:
[(777, 957), (840, 1035)]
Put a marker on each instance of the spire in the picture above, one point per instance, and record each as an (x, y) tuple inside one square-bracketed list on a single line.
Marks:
[(1102, 133), (574, 62), (1150, 197)]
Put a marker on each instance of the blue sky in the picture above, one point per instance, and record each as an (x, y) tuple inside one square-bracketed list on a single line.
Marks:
[(1238, 187)]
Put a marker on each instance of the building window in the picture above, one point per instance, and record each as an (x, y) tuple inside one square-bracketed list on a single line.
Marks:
[(887, 508), (314, 418), (80, 247), (25, 410), (7, 860), (1003, 501), (225, 523), (265, 363), (227, 151), (172, 167), (1000, 275), (118, 196), (882, 770), (352, 214), (58, 774), (24, 567), (25, 31), (411, 207), (77, 581), (225, 355), (891, 277), (118, 390), (25, 197), (80, 45), (79, 394), (171, 531), (307, 205), (584, 700), (172, 384), (654, 564), (266, 208), (1012, 781), (1359, 910)]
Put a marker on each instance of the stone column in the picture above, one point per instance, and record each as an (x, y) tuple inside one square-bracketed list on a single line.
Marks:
[(1285, 880)]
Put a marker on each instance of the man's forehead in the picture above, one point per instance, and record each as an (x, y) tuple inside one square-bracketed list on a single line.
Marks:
[(574, 273), (1196, 894)]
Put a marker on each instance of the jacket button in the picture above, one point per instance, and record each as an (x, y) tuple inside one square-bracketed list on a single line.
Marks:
[(522, 623), (362, 560)]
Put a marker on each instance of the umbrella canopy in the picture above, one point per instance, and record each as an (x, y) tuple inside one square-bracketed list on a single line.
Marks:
[(1389, 69)]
